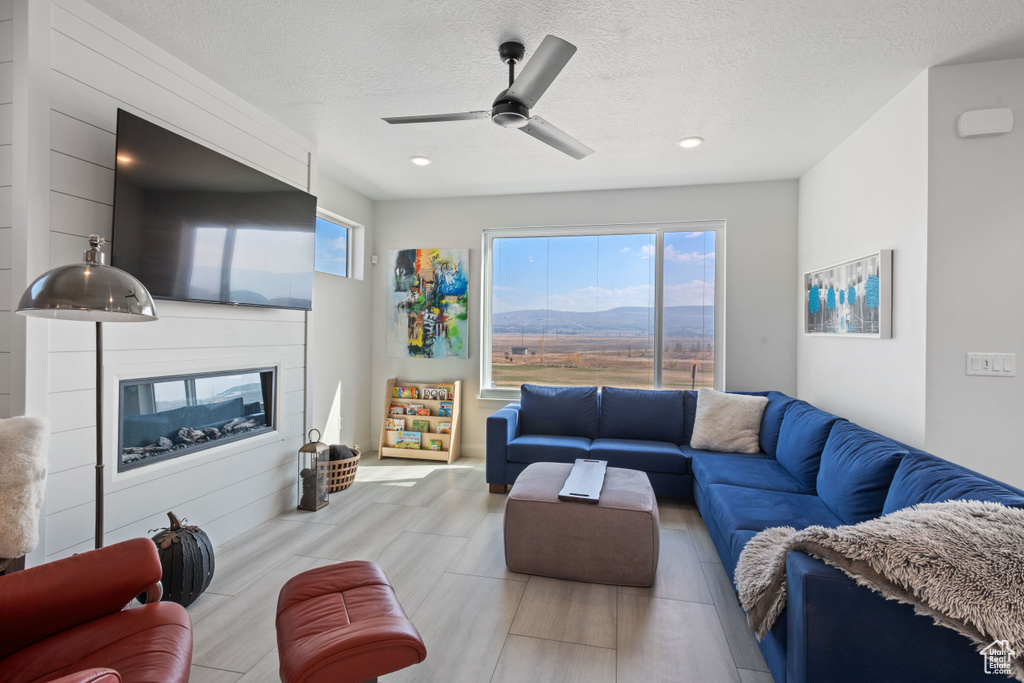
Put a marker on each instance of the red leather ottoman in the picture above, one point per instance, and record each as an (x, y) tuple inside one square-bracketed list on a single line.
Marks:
[(343, 624)]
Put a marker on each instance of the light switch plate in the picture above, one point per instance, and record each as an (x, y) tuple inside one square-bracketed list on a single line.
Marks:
[(992, 364)]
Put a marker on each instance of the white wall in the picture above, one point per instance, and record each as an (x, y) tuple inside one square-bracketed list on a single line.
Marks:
[(96, 66), (975, 250), (871, 193), (341, 343), (7, 302), (760, 262)]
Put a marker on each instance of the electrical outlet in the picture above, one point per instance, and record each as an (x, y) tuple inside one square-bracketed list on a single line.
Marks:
[(992, 364)]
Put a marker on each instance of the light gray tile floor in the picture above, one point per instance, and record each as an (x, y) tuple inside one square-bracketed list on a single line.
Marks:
[(436, 532)]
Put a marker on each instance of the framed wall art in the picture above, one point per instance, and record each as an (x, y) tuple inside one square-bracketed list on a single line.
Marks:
[(428, 303), (851, 299)]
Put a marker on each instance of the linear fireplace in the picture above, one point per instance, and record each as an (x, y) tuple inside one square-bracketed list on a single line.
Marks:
[(168, 417)]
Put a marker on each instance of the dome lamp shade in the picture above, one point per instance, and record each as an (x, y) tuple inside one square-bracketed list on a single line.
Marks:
[(90, 291)]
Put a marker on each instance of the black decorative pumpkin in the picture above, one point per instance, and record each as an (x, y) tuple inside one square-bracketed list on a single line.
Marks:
[(187, 558)]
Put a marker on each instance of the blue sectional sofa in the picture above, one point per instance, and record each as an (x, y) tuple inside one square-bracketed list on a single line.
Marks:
[(814, 468)]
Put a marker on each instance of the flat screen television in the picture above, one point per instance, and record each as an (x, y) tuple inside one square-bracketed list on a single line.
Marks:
[(195, 225)]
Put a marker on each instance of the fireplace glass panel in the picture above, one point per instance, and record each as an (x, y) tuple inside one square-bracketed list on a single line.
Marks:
[(167, 417)]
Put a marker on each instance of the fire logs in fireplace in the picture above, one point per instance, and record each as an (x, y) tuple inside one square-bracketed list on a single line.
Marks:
[(189, 436)]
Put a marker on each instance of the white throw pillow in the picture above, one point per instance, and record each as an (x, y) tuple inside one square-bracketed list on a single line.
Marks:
[(729, 423)]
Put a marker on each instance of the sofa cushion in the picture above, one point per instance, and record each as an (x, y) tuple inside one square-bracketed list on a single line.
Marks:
[(743, 470), (924, 478), (637, 454), (559, 411), (739, 541), (531, 448), (857, 467), (738, 508), (802, 437), (641, 414), (729, 423), (771, 422)]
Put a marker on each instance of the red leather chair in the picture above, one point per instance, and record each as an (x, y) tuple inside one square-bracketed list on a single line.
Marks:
[(65, 621)]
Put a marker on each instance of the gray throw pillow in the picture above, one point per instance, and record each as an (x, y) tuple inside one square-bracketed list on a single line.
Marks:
[(729, 423)]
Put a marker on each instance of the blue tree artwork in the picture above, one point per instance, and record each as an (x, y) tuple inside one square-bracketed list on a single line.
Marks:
[(850, 299)]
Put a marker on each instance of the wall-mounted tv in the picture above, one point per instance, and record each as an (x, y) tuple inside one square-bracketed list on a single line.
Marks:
[(195, 225)]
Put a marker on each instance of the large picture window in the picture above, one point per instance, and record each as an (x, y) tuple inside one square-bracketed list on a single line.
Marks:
[(627, 305)]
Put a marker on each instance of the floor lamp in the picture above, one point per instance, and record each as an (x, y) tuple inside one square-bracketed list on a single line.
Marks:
[(93, 292)]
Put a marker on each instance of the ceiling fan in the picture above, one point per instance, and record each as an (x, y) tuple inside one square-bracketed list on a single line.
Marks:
[(511, 107)]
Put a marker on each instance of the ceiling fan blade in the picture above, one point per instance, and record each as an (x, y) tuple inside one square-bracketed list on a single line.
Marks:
[(540, 70), (560, 140), (431, 118)]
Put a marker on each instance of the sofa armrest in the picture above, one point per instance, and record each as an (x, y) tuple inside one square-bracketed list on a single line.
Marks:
[(91, 676), (502, 427), (41, 601), (839, 632)]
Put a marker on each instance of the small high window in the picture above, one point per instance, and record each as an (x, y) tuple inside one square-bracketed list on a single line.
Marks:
[(333, 242)]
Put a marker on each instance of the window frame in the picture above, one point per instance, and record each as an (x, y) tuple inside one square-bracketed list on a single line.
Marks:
[(350, 229), (659, 230)]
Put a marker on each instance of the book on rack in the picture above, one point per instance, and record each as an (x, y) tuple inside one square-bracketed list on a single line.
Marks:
[(396, 424), (408, 440), (445, 409), (444, 427), (420, 426), (449, 390)]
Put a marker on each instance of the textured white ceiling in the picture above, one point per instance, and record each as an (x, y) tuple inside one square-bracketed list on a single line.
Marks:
[(772, 86)]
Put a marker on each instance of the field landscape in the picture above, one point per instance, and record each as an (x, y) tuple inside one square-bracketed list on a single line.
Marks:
[(614, 348)]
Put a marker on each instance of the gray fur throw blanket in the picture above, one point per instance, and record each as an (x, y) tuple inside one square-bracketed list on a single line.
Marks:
[(23, 444), (959, 562)]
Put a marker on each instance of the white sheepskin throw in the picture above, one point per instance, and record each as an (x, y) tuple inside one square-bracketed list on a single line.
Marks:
[(959, 562), (23, 450), (729, 423)]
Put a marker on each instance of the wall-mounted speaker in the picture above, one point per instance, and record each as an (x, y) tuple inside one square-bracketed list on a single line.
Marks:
[(985, 122)]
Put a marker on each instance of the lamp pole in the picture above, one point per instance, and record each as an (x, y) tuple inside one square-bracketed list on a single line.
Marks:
[(99, 434)]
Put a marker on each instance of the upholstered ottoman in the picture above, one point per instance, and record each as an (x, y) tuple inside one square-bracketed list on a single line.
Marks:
[(614, 541), (343, 624)]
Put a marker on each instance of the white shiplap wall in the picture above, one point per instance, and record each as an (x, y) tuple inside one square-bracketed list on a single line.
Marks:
[(98, 66), (6, 295)]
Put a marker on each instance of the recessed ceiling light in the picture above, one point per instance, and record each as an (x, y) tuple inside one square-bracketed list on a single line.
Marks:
[(689, 142), (124, 158), (420, 161)]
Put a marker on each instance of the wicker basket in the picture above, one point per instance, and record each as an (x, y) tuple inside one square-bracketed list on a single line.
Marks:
[(341, 474)]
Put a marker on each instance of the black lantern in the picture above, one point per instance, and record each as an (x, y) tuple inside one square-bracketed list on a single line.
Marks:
[(314, 464)]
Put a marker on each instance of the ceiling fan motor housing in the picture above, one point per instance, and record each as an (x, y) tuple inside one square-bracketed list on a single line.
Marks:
[(509, 113)]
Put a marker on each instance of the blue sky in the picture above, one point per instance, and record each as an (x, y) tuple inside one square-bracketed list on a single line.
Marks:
[(331, 247), (596, 273)]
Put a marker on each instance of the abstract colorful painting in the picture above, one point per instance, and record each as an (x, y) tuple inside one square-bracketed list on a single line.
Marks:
[(428, 304), (852, 299)]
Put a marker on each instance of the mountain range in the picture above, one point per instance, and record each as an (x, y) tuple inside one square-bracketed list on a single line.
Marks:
[(626, 321)]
